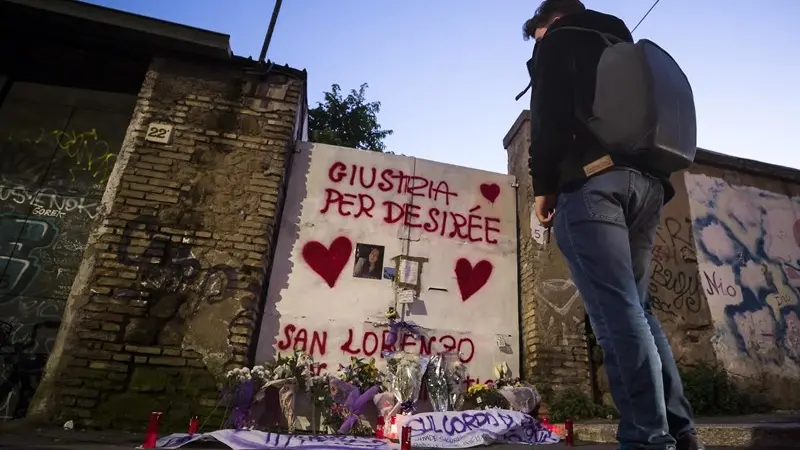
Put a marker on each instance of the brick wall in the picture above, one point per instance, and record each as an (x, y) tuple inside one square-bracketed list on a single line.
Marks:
[(168, 295), (554, 338)]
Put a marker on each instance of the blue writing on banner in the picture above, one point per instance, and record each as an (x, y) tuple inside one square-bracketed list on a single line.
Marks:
[(474, 428)]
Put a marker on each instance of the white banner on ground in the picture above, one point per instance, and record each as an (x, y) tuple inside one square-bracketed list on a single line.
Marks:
[(452, 429), (464, 429), (259, 440)]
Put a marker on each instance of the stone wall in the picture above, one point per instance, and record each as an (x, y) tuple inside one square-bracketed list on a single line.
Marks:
[(167, 297), (554, 346), (724, 284)]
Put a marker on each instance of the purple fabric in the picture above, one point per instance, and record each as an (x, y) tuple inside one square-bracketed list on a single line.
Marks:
[(241, 397), (394, 330), (355, 404)]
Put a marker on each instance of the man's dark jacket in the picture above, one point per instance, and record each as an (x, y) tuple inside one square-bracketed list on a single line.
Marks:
[(563, 72)]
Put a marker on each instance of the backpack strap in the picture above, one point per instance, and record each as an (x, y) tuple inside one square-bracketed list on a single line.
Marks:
[(531, 62), (524, 91), (608, 38), (583, 119)]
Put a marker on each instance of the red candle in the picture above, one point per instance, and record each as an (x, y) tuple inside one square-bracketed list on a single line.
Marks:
[(570, 438), (194, 424), (379, 427), (151, 434), (405, 438), (392, 429)]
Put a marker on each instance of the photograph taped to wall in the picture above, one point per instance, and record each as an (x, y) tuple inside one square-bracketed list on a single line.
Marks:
[(369, 261)]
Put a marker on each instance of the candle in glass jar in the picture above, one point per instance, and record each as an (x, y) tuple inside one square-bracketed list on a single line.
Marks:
[(151, 434), (405, 438), (379, 427), (393, 428), (194, 424), (569, 434)]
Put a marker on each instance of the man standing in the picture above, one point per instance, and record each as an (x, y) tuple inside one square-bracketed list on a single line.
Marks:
[(605, 211)]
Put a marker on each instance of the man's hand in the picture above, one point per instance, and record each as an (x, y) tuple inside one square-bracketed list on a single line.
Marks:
[(545, 209)]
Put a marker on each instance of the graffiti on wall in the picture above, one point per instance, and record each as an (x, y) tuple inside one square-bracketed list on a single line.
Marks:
[(675, 286), (45, 202), (174, 282), (376, 232), (329, 262), (557, 298), (29, 315), (358, 202), (56, 157), (84, 155), (748, 255), (367, 343), (471, 278), (351, 196)]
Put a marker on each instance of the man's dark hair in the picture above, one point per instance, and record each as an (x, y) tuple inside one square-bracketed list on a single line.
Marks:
[(546, 11)]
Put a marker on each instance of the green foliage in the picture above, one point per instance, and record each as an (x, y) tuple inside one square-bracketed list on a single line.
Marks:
[(711, 392), (348, 121), (708, 387), (573, 404), (361, 373)]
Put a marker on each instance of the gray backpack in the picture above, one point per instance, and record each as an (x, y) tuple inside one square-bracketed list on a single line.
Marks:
[(643, 104)]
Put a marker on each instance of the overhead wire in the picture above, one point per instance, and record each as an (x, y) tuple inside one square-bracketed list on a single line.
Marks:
[(645, 16)]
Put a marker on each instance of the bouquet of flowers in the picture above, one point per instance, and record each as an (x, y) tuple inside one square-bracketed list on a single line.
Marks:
[(438, 385), (456, 378), (245, 388), (360, 373), (520, 395), (483, 396), (296, 368), (348, 406), (290, 374), (238, 393), (406, 371), (321, 400)]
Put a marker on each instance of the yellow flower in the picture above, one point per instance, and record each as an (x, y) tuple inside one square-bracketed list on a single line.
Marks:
[(477, 389)]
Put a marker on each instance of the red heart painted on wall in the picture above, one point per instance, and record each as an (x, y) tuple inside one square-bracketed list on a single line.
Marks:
[(328, 262), (471, 279), (490, 191)]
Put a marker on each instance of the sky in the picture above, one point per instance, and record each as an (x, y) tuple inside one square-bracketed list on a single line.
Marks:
[(446, 71)]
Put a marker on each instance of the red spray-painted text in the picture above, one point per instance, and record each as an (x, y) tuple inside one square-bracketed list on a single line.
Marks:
[(470, 226), (372, 343)]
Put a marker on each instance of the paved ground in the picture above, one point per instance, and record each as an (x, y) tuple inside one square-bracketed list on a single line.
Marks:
[(717, 430)]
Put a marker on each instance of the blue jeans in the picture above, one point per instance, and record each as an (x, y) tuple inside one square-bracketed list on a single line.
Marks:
[(606, 229)]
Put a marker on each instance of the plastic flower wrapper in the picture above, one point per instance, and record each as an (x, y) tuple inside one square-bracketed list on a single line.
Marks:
[(406, 381), (456, 378), (238, 394), (353, 399), (437, 383), (523, 397), (520, 395), (288, 374), (385, 402)]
